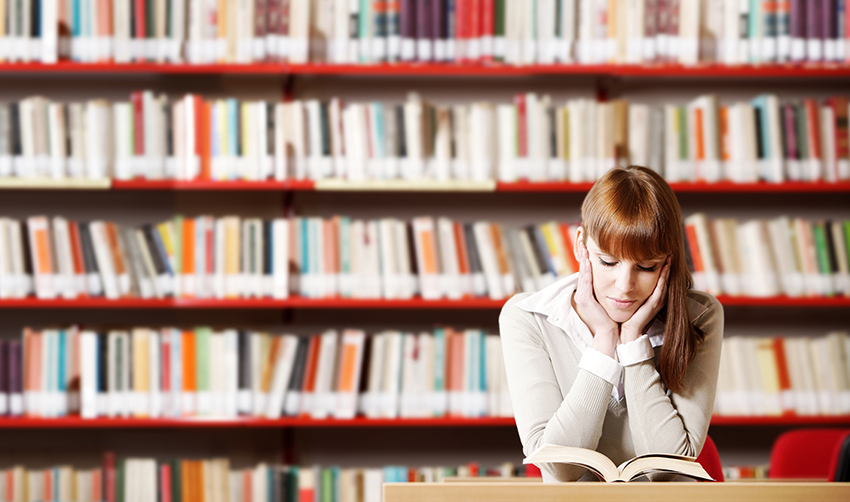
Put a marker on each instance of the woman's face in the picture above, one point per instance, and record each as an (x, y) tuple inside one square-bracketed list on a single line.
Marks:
[(621, 286)]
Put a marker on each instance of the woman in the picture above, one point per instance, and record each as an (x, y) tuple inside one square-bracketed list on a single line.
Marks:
[(621, 358)]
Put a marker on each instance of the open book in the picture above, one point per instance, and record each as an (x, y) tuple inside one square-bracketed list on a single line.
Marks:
[(602, 466)]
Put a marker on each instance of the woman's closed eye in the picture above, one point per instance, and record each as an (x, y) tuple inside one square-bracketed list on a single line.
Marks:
[(642, 268)]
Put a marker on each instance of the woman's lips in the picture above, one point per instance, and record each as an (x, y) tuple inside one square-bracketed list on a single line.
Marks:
[(621, 304)]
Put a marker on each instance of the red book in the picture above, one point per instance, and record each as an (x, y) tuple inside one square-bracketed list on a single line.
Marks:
[(210, 247), (488, 18), (198, 108), (138, 123), (813, 126), (522, 125), (247, 485), (696, 257), (77, 253), (568, 246), (165, 371), (48, 485), (97, 485), (474, 27), (165, 483), (781, 366), (462, 252), (532, 471), (10, 485), (204, 129), (139, 18), (109, 476), (461, 36), (310, 370)]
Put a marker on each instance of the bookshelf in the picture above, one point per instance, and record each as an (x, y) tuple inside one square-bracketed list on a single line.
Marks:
[(368, 81)]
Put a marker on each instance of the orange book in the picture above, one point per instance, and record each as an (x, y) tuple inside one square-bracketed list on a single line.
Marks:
[(10, 485), (32, 374), (204, 145), (190, 372), (501, 256), (199, 481), (462, 252), (724, 133), (40, 239), (77, 253), (696, 258), (700, 134), (112, 240), (97, 485), (429, 252), (185, 484), (247, 485), (188, 258), (568, 246), (48, 484), (268, 368), (310, 369)]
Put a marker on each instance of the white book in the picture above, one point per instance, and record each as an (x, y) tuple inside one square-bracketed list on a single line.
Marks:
[(105, 261), (450, 276), (409, 283), (64, 279), (489, 262), (370, 404), (410, 388), (759, 271), (258, 399), (155, 372), (7, 279), (391, 386), (281, 375), (280, 258), (217, 376), (390, 277), (324, 393)]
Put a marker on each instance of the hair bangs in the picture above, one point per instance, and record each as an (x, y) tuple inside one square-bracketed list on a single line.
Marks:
[(630, 224)]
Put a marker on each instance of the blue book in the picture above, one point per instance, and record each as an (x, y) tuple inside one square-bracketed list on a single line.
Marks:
[(233, 146), (377, 110), (61, 371), (305, 253)]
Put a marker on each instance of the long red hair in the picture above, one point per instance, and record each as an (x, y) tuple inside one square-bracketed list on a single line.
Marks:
[(632, 213)]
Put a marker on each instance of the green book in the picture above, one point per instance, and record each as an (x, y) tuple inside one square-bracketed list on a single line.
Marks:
[(176, 478), (801, 132), (202, 365), (499, 29), (824, 268), (119, 481), (440, 362), (682, 121), (327, 485)]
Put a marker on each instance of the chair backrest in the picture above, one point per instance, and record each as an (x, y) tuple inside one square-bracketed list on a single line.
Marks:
[(805, 453), (839, 468), (709, 459)]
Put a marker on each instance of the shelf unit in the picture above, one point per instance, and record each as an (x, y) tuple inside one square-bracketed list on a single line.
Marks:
[(286, 72)]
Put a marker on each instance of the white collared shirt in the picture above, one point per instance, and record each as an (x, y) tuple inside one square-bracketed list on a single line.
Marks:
[(555, 302)]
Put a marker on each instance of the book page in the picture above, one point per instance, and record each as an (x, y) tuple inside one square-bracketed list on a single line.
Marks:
[(593, 460), (680, 464)]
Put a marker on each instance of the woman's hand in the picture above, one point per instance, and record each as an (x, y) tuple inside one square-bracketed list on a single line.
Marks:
[(605, 331), (633, 328)]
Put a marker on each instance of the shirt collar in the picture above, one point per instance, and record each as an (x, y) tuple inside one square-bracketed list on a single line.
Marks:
[(554, 302)]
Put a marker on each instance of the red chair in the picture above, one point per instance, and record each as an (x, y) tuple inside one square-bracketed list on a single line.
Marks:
[(839, 467), (709, 459), (805, 453)]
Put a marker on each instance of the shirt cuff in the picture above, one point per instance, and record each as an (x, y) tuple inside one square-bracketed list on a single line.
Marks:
[(601, 365), (635, 351)]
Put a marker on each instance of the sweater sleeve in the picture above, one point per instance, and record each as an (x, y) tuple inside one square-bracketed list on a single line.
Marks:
[(543, 415), (667, 422)]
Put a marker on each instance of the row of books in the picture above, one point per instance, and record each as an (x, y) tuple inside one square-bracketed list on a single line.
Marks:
[(340, 31), (734, 472), (532, 138), (339, 256), (171, 372), (787, 374), (768, 257), (219, 479)]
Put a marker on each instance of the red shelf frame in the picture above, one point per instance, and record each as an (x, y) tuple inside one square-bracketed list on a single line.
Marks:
[(76, 422), (444, 70), (142, 184), (350, 303), (514, 187), (781, 421)]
